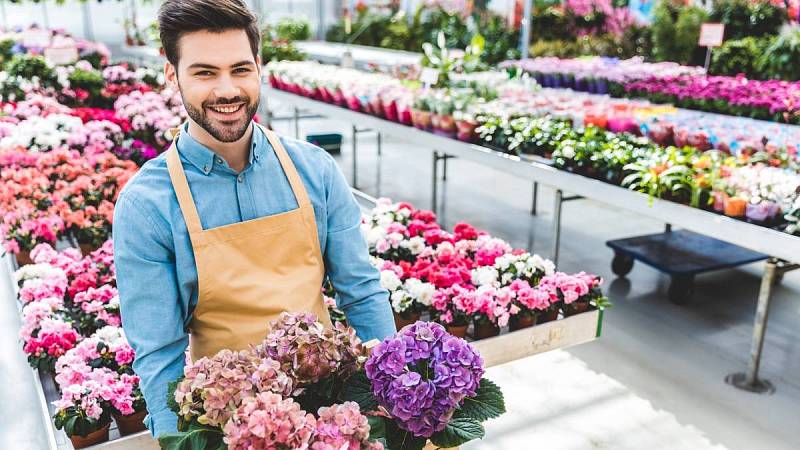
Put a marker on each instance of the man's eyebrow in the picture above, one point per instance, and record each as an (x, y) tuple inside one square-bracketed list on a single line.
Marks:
[(211, 66)]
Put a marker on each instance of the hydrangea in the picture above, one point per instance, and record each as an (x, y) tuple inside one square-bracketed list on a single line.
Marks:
[(307, 351), (422, 374), (342, 427), (213, 388), (268, 421)]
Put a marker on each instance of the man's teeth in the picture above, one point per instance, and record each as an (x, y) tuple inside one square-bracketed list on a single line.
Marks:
[(228, 109)]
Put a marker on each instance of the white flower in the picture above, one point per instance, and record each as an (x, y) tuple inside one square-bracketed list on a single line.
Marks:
[(420, 291), (484, 276), (401, 301), (415, 245), (37, 271), (390, 281), (568, 152)]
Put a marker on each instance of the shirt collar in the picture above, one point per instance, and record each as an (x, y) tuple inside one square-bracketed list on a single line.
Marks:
[(204, 158)]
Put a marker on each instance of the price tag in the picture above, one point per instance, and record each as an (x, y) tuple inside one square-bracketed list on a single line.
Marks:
[(429, 76), (711, 34), (35, 37), (61, 55)]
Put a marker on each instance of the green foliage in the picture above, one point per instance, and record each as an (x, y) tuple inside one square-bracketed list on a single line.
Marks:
[(89, 80), (488, 403), (29, 67), (277, 48), (197, 437), (739, 56), (75, 422), (5, 51), (293, 29), (781, 59), (743, 18), (676, 30)]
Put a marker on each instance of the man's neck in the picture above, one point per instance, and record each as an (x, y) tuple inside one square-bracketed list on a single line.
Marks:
[(234, 153)]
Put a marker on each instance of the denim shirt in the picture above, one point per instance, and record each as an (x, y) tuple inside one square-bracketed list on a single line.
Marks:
[(156, 272)]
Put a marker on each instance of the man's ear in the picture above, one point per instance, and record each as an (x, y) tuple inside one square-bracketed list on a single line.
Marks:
[(258, 64), (170, 75)]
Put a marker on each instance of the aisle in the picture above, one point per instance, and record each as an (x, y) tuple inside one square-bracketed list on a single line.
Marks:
[(556, 403), (23, 425)]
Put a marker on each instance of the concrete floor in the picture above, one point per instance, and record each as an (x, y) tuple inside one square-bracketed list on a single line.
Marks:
[(675, 357)]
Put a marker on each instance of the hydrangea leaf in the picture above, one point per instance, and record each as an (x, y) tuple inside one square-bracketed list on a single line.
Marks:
[(458, 432), (196, 438), (398, 439), (487, 403), (359, 389)]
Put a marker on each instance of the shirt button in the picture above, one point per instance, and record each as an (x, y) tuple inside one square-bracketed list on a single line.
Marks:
[(219, 160), (240, 178), (206, 169)]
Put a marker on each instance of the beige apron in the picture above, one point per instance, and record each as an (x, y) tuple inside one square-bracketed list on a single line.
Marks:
[(249, 272)]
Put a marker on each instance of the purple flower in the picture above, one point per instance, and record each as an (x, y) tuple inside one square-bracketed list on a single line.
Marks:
[(422, 374)]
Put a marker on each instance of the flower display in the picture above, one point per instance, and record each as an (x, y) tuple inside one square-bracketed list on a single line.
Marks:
[(268, 420)]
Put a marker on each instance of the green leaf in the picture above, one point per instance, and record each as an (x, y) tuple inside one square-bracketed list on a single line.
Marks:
[(398, 439), (458, 432), (377, 427), (194, 439), (171, 403), (487, 403), (358, 389)]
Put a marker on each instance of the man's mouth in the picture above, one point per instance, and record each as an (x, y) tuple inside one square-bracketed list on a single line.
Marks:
[(228, 110)]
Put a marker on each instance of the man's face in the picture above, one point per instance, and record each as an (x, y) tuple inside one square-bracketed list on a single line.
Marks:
[(219, 81)]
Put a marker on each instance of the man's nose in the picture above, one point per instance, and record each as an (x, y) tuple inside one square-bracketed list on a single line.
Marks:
[(226, 88)]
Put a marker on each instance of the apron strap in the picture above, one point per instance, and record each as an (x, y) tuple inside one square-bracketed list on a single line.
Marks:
[(181, 187), (288, 167)]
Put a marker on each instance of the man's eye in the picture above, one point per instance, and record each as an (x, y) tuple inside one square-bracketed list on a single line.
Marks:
[(204, 73), (241, 70)]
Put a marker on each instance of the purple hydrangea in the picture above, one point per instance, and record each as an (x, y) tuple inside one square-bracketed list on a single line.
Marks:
[(422, 374)]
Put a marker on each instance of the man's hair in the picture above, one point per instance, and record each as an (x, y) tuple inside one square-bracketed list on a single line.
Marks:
[(176, 17)]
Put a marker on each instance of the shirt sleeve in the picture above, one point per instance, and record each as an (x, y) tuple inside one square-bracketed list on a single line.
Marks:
[(360, 295), (150, 307)]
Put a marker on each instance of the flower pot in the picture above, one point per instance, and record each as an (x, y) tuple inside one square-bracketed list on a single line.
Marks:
[(87, 249), (404, 116), (400, 321), (390, 111), (466, 130), (376, 106), (24, 258), (422, 119), (485, 330), (93, 438), (431, 446), (575, 308), (719, 200), (521, 320), (735, 207), (338, 98), (548, 315), (353, 103), (133, 423), (457, 330), (435, 119)]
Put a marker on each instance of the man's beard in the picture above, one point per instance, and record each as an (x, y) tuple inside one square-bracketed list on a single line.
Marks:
[(222, 134)]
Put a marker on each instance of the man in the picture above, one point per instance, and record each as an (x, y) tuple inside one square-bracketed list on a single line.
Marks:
[(232, 225)]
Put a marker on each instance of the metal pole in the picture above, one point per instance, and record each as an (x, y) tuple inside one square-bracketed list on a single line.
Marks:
[(525, 36), (296, 117), (379, 143), (749, 381), (3, 11), (88, 31), (535, 198), (321, 20), (378, 167), (355, 165), (435, 180), (556, 225), (45, 18), (444, 168)]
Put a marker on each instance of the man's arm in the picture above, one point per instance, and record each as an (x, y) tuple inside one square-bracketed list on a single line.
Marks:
[(361, 297), (151, 310)]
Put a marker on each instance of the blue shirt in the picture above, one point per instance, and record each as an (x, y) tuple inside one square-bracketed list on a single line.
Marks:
[(156, 273)]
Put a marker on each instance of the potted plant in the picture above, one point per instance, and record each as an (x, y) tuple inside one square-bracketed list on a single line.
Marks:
[(129, 408), (83, 412), (446, 125), (421, 112)]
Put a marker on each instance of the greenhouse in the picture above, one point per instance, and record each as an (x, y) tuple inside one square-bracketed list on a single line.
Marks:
[(400, 224)]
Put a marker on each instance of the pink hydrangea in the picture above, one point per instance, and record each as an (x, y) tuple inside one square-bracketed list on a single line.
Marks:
[(342, 427), (268, 421)]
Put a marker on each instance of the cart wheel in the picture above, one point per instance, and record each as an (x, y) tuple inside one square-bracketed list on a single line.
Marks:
[(622, 264), (680, 289)]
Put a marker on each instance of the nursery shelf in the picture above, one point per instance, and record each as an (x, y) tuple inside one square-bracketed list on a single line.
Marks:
[(757, 238)]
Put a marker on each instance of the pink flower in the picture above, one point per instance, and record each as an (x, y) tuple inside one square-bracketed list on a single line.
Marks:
[(268, 421)]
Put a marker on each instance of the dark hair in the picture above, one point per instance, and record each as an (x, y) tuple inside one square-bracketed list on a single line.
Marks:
[(176, 17)]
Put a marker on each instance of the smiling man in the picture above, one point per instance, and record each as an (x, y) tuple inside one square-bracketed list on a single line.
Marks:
[(232, 225)]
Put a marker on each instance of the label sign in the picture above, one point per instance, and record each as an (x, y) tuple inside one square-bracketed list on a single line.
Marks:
[(429, 76), (61, 55), (711, 34), (35, 37)]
